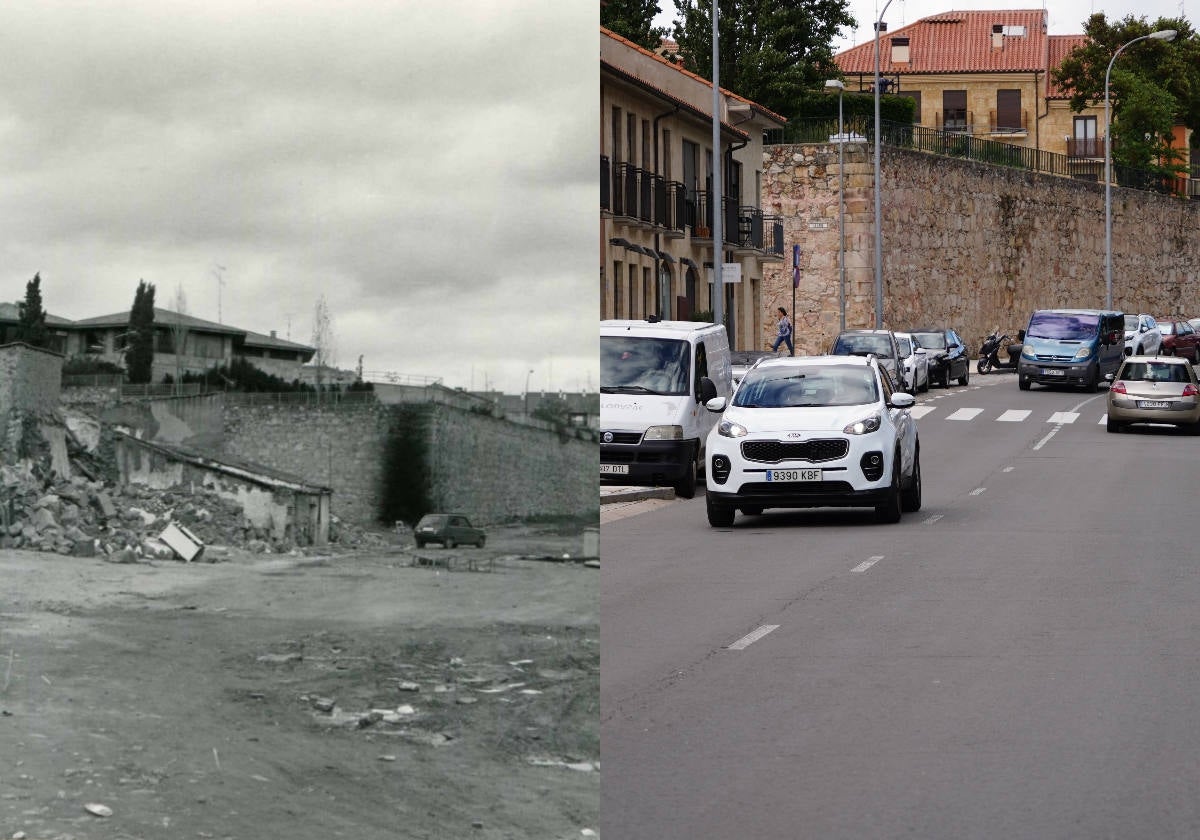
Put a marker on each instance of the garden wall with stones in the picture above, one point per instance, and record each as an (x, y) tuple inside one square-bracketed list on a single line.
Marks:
[(968, 245)]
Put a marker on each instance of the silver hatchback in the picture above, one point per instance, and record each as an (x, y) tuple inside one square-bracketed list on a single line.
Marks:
[(1154, 389)]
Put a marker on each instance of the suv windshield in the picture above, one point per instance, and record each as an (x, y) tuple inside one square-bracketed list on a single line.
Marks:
[(1064, 326), (807, 386), (644, 365), (861, 345), (904, 346)]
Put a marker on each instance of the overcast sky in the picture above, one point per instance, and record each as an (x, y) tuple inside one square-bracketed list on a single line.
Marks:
[(427, 167), (1063, 18)]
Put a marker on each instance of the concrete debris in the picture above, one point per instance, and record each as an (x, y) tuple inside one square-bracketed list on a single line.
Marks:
[(80, 516), (98, 810)]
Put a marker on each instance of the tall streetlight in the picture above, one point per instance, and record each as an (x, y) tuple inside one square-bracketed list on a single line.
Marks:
[(527, 390), (878, 204), (840, 86), (1161, 35)]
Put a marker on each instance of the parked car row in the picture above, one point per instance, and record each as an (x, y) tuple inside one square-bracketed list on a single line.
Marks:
[(914, 359)]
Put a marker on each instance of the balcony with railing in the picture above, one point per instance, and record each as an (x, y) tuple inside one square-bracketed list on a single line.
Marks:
[(1009, 126), (1085, 147)]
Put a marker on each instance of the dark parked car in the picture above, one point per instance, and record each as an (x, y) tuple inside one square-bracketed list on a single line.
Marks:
[(948, 355), (1179, 338), (449, 529)]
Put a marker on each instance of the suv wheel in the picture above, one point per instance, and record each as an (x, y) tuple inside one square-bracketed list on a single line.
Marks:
[(449, 543), (719, 516), (888, 511), (911, 497)]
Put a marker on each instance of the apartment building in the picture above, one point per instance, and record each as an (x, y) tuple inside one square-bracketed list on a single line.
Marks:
[(657, 196)]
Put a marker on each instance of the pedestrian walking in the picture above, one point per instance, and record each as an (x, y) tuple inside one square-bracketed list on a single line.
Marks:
[(783, 333)]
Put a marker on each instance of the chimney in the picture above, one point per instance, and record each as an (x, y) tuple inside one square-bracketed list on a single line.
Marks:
[(272, 333), (997, 36)]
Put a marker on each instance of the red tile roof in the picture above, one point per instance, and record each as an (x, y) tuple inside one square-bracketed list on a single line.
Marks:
[(1060, 47), (958, 42), (679, 68)]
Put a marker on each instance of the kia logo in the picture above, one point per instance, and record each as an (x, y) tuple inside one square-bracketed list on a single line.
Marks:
[(608, 437)]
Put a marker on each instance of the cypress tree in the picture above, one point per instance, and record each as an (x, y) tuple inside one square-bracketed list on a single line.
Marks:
[(31, 325), (139, 358)]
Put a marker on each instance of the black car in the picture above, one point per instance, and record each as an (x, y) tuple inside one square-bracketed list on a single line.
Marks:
[(449, 529), (948, 355)]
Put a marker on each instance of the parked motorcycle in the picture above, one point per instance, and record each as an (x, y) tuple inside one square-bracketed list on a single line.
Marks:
[(989, 352)]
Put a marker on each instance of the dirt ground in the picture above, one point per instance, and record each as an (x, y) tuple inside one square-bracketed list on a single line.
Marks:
[(385, 694)]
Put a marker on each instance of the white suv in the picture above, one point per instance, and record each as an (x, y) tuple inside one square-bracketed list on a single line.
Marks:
[(1142, 336), (813, 431)]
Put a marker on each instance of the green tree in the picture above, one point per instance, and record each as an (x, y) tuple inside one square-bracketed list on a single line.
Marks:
[(139, 355), (771, 52), (31, 324), (1153, 85), (633, 19)]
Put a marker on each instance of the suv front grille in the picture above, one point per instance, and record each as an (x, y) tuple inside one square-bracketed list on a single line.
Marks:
[(814, 451)]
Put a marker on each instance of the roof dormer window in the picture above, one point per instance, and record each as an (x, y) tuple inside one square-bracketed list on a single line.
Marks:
[(900, 53)]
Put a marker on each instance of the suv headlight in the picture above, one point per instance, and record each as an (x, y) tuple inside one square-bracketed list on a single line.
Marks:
[(728, 428), (865, 426), (664, 433)]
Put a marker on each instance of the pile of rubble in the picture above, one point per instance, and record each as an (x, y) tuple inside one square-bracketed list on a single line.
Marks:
[(40, 511)]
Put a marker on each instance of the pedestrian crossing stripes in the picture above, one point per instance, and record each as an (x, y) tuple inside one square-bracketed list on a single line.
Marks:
[(1012, 415)]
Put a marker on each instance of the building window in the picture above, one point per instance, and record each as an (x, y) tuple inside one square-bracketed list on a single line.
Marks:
[(633, 291), (954, 110), (1086, 142), (616, 135), (631, 138), (1008, 111), (603, 296), (646, 145), (164, 341), (618, 298), (666, 154), (647, 292)]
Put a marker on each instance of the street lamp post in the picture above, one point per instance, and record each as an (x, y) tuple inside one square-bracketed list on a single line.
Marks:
[(527, 375), (878, 202), (840, 86), (1161, 35)]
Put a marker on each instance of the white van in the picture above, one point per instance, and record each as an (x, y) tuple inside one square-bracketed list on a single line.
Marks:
[(655, 377)]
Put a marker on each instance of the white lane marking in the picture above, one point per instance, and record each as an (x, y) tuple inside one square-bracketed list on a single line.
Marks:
[(1008, 469), (1046, 439), (919, 411), (1013, 415), (977, 491), (751, 638), (868, 563), (965, 414), (1103, 419), (1062, 417), (932, 519)]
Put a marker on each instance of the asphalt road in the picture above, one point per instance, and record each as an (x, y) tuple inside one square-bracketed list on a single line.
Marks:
[(1020, 659)]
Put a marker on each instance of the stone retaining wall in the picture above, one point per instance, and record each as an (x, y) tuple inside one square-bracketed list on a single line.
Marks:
[(966, 244)]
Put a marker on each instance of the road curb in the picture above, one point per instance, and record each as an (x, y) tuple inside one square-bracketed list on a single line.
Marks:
[(635, 494)]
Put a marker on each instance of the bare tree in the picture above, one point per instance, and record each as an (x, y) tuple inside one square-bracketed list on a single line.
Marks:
[(179, 334), (322, 340)]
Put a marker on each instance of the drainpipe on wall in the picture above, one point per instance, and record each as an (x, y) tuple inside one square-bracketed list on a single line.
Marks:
[(1037, 118), (657, 260)]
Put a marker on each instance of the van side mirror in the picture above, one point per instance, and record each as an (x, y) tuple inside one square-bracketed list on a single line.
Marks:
[(708, 390)]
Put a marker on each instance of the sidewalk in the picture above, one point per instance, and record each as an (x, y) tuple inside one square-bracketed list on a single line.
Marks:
[(611, 493)]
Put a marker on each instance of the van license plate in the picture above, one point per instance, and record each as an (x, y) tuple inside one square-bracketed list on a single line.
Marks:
[(614, 469), (1053, 372), (794, 475)]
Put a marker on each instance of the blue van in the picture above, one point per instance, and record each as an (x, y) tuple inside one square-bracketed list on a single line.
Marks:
[(1081, 347)]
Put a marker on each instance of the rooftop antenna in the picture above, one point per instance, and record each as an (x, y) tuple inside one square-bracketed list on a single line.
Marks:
[(218, 272)]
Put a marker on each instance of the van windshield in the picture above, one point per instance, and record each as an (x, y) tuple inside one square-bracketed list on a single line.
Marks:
[(644, 365), (1064, 326)]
